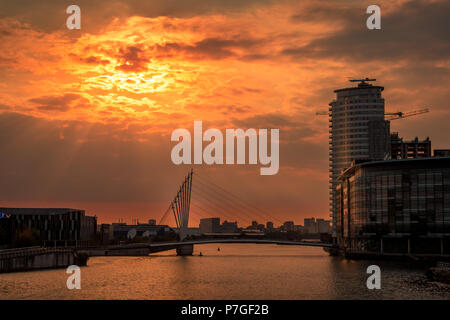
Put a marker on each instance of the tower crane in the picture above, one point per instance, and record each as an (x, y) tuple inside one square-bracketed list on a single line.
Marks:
[(390, 115), (401, 115)]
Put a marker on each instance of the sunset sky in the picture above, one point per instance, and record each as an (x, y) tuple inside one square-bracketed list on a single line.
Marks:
[(86, 115)]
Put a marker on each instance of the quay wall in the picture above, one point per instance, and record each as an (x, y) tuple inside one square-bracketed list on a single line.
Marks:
[(26, 260)]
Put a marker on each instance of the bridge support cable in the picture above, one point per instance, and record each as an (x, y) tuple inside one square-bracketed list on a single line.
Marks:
[(175, 215), (229, 195), (212, 205), (262, 213), (224, 197), (200, 211), (218, 203), (163, 218), (177, 209), (210, 199), (226, 203)]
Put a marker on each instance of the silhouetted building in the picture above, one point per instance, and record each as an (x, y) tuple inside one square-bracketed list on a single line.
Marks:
[(379, 139), (229, 227), (209, 225), (396, 206), (357, 130), (189, 231), (122, 231), (51, 224), (310, 225), (106, 233), (269, 225), (409, 149), (323, 226), (152, 222), (288, 226), (442, 152)]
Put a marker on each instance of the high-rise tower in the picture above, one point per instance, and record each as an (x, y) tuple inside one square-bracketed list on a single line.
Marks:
[(358, 130)]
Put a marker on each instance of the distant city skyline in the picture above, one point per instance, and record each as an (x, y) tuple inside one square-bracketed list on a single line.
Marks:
[(254, 223)]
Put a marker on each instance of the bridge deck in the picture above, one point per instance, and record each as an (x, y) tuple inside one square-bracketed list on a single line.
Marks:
[(253, 241)]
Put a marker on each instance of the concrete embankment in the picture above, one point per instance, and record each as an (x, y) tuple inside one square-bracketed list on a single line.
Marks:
[(34, 258), (126, 250)]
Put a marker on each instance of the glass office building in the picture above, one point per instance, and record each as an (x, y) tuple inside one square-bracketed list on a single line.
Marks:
[(398, 206), (52, 224)]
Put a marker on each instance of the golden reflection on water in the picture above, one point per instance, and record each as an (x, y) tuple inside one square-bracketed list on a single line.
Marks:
[(237, 271)]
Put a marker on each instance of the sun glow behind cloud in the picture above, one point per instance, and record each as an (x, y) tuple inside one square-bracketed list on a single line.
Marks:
[(152, 68)]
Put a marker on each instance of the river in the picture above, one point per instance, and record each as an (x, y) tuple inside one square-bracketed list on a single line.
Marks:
[(237, 271)]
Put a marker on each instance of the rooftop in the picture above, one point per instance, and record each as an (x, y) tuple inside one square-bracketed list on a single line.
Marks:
[(429, 162)]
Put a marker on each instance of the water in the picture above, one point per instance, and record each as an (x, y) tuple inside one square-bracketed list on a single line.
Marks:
[(237, 271)]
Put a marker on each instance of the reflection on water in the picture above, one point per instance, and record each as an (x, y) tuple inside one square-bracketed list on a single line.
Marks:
[(237, 271)]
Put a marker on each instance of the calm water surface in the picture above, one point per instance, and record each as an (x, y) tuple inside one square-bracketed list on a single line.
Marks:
[(237, 271)]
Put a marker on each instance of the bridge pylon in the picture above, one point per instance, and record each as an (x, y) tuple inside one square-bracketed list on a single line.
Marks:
[(181, 205)]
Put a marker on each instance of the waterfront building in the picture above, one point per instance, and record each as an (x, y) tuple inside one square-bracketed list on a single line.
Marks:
[(229, 227), (358, 130), (310, 225), (209, 225), (288, 226), (409, 149), (395, 206), (106, 233), (442, 152), (122, 230), (51, 224), (323, 226), (189, 231)]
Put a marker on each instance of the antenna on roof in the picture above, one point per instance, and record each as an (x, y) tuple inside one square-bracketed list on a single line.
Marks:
[(363, 81)]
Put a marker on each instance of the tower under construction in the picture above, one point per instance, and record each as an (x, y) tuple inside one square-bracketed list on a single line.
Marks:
[(358, 130)]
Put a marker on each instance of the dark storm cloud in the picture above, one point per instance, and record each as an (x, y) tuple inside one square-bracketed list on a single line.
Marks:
[(417, 30), (132, 59), (56, 103), (228, 110), (210, 48), (265, 121), (90, 60), (50, 15), (316, 12)]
